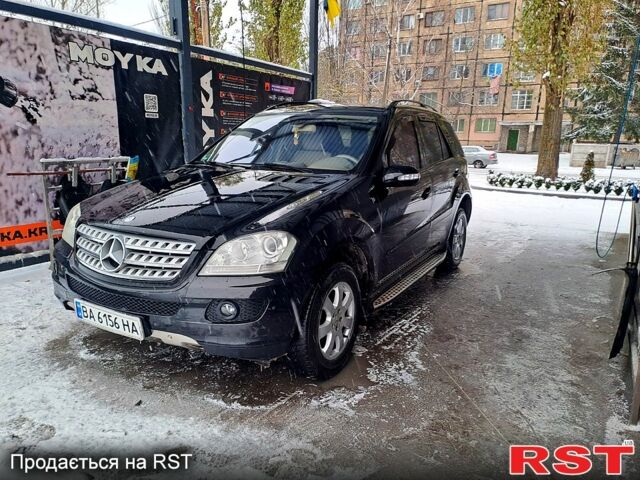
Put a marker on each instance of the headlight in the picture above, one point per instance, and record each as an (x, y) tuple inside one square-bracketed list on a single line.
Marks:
[(69, 231), (265, 252)]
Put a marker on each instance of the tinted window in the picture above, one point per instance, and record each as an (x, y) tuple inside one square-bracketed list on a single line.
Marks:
[(432, 148), (404, 145), (446, 149)]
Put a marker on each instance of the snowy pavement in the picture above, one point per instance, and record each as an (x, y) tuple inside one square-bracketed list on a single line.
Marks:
[(510, 349)]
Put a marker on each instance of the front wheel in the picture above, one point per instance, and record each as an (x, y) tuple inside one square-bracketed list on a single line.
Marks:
[(456, 243), (478, 164), (329, 326)]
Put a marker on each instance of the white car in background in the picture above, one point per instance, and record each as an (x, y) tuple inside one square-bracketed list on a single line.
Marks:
[(479, 157)]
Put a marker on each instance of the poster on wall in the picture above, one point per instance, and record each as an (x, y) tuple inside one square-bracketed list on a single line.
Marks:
[(66, 94), (226, 95)]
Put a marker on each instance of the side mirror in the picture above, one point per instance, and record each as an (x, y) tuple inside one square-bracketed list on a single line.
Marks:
[(400, 176)]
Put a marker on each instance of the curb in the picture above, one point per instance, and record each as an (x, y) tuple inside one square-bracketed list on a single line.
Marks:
[(550, 194), (19, 261)]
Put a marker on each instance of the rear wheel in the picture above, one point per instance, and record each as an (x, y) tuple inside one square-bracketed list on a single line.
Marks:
[(478, 164), (456, 243), (329, 326)]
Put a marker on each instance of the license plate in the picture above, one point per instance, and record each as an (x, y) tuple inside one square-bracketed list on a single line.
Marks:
[(109, 320)]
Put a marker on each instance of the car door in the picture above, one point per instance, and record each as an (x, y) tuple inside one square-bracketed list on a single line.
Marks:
[(404, 231), (471, 154), (441, 169)]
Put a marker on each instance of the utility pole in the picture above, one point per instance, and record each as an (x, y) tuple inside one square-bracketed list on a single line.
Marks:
[(97, 8), (314, 6)]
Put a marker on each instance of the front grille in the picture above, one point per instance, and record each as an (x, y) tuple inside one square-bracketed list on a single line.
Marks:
[(141, 258), (123, 303), (248, 311)]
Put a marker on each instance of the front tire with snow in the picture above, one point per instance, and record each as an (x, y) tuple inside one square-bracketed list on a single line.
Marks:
[(329, 326)]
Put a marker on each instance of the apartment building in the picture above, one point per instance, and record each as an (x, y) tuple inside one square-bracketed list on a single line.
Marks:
[(453, 55)]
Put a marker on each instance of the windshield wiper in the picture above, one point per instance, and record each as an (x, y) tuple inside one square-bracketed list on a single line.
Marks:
[(216, 164), (280, 167)]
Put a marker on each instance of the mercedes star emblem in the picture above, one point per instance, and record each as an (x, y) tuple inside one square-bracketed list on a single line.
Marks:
[(112, 254)]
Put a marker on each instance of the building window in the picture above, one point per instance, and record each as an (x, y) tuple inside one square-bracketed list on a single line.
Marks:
[(376, 77), (353, 28), (377, 26), (521, 99), (403, 74), (465, 15), (434, 19), (430, 73), (379, 3), (459, 71), (486, 125), (407, 22), (462, 44), (458, 125), (353, 4), (457, 98), (486, 98), (430, 99), (378, 50), (354, 53), (491, 70), (404, 49), (499, 11), (495, 41), (524, 77), (433, 46)]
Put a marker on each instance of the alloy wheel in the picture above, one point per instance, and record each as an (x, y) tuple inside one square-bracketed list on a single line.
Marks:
[(337, 319), (459, 238)]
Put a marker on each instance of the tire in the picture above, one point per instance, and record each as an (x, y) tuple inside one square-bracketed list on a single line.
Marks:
[(455, 250), (478, 164), (317, 356)]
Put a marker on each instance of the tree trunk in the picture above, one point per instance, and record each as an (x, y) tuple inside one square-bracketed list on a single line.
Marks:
[(549, 155)]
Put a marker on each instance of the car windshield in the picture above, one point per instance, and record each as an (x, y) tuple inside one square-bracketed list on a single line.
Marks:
[(314, 141)]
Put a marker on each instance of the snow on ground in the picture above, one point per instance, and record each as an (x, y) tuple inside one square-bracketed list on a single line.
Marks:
[(526, 163), (510, 349)]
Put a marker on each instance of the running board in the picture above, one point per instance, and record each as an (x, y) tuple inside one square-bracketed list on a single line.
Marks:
[(408, 280)]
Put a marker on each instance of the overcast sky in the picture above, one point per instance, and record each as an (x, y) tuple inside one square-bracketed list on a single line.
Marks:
[(137, 12)]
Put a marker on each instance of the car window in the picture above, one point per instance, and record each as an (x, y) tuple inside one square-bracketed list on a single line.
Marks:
[(470, 149), (403, 146), (315, 141), (431, 145), (446, 149)]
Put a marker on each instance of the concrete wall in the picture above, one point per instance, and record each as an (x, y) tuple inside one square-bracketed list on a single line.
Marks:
[(627, 154)]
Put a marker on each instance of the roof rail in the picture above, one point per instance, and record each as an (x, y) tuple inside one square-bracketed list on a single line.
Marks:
[(395, 103), (290, 104)]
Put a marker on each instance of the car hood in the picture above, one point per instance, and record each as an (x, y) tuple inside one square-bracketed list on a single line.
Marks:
[(202, 202)]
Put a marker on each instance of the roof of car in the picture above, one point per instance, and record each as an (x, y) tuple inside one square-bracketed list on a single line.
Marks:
[(314, 105)]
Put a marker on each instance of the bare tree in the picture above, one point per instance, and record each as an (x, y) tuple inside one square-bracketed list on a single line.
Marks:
[(92, 8)]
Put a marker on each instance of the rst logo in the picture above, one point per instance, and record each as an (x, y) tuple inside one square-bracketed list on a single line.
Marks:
[(108, 58), (567, 459)]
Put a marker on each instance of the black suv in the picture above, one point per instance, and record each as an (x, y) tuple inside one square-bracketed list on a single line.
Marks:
[(278, 239)]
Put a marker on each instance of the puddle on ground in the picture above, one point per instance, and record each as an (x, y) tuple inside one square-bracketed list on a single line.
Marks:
[(387, 352)]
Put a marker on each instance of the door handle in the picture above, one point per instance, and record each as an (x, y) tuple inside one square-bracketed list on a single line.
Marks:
[(426, 192), (456, 172)]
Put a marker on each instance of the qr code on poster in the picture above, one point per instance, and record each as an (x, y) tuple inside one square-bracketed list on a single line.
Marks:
[(151, 105)]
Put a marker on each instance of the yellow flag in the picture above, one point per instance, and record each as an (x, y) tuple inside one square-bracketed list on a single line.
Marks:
[(332, 7)]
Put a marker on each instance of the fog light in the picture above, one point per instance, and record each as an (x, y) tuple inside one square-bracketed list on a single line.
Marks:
[(228, 310)]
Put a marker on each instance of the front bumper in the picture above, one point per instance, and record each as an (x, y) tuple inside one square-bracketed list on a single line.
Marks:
[(186, 315)]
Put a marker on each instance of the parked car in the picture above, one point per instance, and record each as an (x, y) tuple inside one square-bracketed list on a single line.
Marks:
[(480, 157), (280, 239)]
